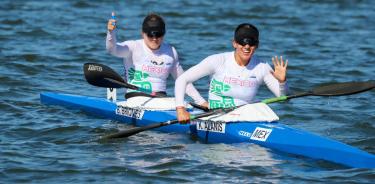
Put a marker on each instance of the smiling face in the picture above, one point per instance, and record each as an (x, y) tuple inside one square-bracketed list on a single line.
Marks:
[(244, 53), (153, 31), (245, 42), (153, 42)]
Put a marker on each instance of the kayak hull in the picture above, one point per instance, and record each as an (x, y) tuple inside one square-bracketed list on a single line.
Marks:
[(293, 141), (106, 109), (272, 135)]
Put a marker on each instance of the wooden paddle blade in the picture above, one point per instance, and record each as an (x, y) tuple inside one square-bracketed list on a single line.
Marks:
[(346, 88), (98, 75)]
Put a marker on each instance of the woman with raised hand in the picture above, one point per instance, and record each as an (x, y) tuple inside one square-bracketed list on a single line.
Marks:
[(148, 61), (235, 76)]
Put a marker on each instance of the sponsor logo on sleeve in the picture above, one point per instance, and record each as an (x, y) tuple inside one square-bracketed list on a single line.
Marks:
[(261, 134), (129, 112), (211, 126)]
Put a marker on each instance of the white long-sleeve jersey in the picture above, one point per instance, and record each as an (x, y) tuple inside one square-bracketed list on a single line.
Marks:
[(230, 84), (149, 69)]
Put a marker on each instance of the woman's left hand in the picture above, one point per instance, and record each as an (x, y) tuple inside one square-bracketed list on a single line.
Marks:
[(280, 68)]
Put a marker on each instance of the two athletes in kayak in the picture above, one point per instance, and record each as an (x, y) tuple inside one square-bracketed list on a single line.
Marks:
[(235, 76)]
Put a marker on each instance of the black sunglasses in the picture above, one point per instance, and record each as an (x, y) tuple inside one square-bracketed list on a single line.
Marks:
[(156, 34), (248, 41)]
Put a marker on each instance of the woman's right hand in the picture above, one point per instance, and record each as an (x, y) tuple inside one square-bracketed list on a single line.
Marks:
[(111, 23), (183, 116)]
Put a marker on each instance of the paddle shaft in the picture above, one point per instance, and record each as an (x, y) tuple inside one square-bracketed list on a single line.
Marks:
[(283, 98), (337, 89), (130, 132), (126, 85)]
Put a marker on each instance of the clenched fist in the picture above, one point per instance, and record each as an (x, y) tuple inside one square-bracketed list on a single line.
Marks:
[(112, 22)]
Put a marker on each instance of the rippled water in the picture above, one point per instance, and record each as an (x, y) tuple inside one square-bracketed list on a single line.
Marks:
[(45, 43)]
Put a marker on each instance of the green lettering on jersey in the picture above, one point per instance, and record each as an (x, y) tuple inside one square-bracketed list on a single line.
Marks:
[(139, 78), (217, 88)]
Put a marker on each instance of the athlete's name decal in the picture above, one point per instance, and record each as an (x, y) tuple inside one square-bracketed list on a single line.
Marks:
[(129, 112), (211, 126), (95, 68), (261, 134)]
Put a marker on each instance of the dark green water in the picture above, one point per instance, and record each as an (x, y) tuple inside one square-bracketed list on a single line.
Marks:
[(43, 45)]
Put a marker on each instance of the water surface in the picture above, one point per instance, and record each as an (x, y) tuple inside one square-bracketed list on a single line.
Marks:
[(45, 43)]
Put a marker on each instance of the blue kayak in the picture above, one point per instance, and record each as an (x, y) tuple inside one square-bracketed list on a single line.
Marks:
[(273, 135)]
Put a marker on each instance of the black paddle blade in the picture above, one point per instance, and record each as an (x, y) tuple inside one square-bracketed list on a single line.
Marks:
[(346, 88), (136, 130), (102, 76)]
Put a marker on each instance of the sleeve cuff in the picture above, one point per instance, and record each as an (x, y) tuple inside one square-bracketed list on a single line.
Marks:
[(283, 88), (200, 101)]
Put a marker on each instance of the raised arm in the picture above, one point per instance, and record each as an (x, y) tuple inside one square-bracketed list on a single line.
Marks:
[(114, 48)]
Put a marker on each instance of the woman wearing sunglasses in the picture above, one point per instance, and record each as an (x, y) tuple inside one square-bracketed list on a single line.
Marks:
[(235, 76), (148, 61)]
